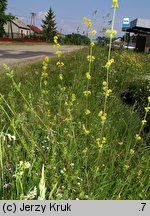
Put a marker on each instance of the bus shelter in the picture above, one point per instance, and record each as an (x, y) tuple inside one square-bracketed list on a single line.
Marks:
[(141, 28)]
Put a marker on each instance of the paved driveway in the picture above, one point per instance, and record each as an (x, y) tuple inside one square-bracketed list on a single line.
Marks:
[(20, 54)]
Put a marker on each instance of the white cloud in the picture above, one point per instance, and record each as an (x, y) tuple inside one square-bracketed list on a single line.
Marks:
[(41, 15), (21, 18)]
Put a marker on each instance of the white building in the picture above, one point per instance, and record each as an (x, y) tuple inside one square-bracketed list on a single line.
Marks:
[(16, 29)]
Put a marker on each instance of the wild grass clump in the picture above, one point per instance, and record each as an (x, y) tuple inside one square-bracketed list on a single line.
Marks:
[(66, 133)]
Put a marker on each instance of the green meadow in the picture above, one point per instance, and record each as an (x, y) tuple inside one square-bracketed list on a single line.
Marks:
[(51, 146), (76, 126)]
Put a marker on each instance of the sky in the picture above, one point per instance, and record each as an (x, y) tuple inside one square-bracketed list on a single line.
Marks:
[(70, 13)]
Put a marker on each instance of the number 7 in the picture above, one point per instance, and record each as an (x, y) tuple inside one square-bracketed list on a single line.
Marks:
[(144, 204)]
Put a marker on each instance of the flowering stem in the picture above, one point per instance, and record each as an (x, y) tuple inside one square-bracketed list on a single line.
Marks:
[(89, 71), (143, 122), (106, 91), (110, 42)]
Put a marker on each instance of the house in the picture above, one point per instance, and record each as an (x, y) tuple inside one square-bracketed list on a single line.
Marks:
[(16, 29), (35, 30), (118, 42)]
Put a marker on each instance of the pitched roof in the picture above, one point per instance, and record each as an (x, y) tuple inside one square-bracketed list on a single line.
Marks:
[(139, 25), (35, 29), (20, 24)]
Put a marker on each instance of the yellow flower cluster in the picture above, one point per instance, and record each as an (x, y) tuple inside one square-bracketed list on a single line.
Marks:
[(101, 143), (139, 173), (44, 74), (69, 110), (73, 97), (130, 60), (92, 33), (55, 39), (49, 113), (46, 59), (90, 58), (92, 44), (62, 89), (60, 76), (56, 44), (88, 75), (106, 90), (111, 33), (144, 122), (132, 151), (109, 63), (68, 120), (58, 53), (87, 112), (45, 82), (87, 93), (85, 150), (44, 92), (138, 137), (85, 130), (45, 63), (126, 166), (103, 116), (115, 4), (87, 22), (147, 109), (60, 64)]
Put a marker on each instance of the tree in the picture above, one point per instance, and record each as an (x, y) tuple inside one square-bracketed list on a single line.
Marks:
[(102, 40), (3, 7), (49, 25), (3, 17)]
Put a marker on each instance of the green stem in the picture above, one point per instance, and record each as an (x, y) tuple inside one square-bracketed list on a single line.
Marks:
[(106, 97), (14, 128), (31, 108)]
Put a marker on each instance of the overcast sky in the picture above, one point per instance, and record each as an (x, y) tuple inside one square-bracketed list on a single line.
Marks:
[(70, 13)]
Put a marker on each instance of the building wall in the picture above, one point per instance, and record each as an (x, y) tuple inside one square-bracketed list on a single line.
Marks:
[(17, 32), (140, 43)]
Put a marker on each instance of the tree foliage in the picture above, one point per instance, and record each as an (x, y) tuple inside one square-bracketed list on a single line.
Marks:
[(3, 17), (3, 20), (76, 39), (49, 25), (102, 40)]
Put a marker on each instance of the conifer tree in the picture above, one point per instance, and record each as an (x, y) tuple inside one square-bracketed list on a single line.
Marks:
[(49, 25)]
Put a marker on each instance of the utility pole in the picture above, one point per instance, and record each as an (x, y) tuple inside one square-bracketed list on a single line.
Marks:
[(33, 15)]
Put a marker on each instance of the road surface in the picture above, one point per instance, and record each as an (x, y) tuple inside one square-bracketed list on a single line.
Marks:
[(20, 54)]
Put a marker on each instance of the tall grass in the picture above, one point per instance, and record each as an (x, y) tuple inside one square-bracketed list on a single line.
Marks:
[(51, 120)]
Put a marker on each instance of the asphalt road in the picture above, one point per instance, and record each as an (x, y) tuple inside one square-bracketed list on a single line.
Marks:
[(20, 54)]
